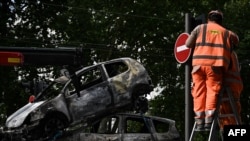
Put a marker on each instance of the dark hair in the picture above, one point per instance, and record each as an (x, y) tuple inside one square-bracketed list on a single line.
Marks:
[(216, 16)]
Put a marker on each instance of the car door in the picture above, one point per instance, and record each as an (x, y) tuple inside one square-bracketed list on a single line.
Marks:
[(118, 77), (107, 129), (94, 94), (136, 129), (165, 130)]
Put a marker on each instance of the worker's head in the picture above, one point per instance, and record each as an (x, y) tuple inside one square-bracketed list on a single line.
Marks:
[(215, 16)]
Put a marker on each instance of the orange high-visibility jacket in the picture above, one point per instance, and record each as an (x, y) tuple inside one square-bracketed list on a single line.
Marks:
[(213, 46), (232, 76)]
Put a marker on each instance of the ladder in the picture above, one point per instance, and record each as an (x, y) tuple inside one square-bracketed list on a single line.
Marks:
[(224, 95)]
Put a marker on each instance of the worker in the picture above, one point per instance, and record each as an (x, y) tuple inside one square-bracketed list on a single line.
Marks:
[(212, 46), (234, 82)]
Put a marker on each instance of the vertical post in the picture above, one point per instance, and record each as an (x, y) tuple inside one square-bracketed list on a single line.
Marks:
[(188, 97)]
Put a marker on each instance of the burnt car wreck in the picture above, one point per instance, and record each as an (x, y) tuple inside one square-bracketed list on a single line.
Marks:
[(86, 95), (126, 127)]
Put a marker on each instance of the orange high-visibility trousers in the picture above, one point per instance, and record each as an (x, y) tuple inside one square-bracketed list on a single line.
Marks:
[(207, 81)]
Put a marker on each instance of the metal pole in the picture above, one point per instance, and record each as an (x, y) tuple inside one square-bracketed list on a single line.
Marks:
[(188, 97)]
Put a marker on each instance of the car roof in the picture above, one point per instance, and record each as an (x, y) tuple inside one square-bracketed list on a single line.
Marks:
[(123, 59), (146, 116)]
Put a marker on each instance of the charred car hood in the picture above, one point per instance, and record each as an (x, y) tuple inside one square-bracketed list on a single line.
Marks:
[(17, 118)]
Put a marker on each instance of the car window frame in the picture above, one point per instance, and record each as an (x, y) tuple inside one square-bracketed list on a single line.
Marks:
[(145, 120), (110, 74)]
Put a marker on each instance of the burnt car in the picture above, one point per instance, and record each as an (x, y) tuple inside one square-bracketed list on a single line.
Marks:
[(127, 127), (91, 92)]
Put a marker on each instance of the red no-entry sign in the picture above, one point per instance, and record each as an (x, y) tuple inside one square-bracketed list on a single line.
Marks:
[(181, 52)]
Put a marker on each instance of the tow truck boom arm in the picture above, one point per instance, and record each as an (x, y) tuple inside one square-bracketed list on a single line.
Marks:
[(48, 56)]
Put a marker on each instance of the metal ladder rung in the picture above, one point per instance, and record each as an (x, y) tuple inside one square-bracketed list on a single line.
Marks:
[(217, 116), (226, 115)]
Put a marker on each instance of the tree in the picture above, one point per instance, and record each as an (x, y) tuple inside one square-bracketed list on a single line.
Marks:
[(144, 30)]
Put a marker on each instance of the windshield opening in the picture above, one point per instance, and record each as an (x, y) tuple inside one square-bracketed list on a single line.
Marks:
[(53, 89)]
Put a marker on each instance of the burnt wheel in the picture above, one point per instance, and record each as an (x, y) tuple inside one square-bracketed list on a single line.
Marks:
[(51, 125), (141, 105)]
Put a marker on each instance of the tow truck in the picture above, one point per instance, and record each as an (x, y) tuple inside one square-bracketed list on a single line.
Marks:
[(124, 81), (66, 57)]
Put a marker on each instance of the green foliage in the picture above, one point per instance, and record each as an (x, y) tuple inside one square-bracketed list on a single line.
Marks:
[(144, 30), (12, 94)]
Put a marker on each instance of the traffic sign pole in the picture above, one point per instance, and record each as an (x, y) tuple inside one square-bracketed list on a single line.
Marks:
[(182, 55), (188, 97)]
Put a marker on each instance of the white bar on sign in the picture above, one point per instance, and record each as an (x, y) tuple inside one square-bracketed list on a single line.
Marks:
[(181, 48)]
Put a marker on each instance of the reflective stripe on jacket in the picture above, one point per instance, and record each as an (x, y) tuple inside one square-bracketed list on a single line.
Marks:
[(212, 46)]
